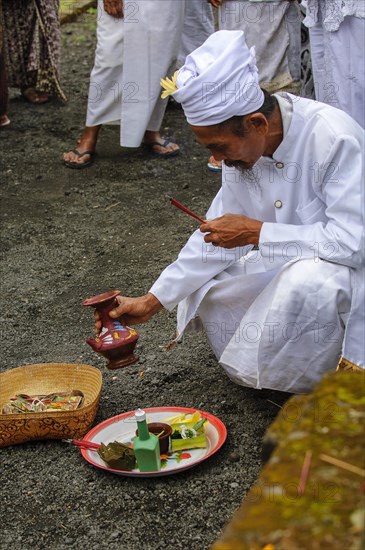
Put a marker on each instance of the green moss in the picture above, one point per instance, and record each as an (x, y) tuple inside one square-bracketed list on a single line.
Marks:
[(330, 422)]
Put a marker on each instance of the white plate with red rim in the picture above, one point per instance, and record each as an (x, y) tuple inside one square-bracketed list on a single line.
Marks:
[(123, 426)]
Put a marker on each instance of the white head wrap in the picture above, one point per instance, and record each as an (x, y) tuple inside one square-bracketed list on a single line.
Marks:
[(219, 80)]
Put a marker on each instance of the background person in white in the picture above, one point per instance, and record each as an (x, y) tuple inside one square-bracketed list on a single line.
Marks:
[(273, 27), (198, 26), (137, 43), (293, 184), (337, 38)]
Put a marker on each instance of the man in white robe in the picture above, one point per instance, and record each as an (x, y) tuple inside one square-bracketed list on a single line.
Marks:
[(137, 43), (276, 274)]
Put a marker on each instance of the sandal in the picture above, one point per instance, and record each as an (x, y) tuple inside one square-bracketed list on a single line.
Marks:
[(150, 146), (80, 165), (34, 97), (214, 165)]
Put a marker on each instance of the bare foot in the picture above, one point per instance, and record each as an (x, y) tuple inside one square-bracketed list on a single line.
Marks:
[(84, 148), (33, 96), (159, 145), (4, 120)]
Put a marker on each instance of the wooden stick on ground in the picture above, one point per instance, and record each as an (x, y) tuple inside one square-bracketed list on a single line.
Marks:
[(343, 465)]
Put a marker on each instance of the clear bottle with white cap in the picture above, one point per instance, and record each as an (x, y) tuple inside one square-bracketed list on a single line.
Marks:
[(146, 446)]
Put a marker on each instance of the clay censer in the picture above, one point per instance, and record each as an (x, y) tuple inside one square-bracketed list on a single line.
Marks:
[(115, 341)]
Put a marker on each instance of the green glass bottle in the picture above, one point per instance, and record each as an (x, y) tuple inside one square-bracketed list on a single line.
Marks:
[(146, 446)]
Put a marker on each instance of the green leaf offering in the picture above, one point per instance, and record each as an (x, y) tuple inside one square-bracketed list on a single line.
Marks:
[(118, 456), (198, 426), (190, 435), (197, 442)]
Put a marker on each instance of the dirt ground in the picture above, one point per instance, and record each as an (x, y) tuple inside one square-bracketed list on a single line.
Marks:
[(67, 235)]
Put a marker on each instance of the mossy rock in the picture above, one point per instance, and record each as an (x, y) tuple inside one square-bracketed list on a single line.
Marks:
[(288, 510)]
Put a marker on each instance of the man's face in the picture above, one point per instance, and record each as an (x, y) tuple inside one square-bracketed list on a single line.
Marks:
[(239, 152)]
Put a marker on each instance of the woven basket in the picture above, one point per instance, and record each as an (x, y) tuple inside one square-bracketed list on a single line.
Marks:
[(43, 379)]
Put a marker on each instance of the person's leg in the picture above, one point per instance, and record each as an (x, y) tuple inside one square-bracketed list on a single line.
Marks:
[(198, 26), (293, 22), (4, 119), (152, 137), (83, 152), (160, 146), (266, 27), (49, 49), (293, 332), (317, 47), (346, 61), (32, 47), (225, 303), (34, 96), (214, 165), (105, 88), (20, 47), (273, 28)]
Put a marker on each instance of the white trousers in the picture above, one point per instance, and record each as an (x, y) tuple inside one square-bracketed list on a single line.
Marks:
[(338, 66), (132, 54), (198, 26), (282, 329), (274, 29)]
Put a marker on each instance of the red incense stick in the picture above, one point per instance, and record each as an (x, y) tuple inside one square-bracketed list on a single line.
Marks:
[(83, 444), (184, 209)]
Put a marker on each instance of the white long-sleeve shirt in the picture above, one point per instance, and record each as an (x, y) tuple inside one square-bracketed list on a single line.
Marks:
[(310, 196)]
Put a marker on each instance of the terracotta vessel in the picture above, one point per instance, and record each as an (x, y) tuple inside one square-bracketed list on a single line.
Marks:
[(115, 341)]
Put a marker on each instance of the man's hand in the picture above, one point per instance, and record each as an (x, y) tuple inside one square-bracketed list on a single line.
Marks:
[(114, 8), (216, 3), (132, 311), (232, 230)]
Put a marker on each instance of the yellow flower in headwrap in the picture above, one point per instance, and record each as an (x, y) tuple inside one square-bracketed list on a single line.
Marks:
[(169, 85)]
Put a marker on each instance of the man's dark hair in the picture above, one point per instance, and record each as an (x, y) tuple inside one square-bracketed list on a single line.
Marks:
[(235, 125)]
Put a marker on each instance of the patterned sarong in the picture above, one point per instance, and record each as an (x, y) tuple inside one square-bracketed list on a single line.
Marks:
[(31, 44)]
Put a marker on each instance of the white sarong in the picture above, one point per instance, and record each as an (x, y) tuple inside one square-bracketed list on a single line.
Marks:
[(132, 55), (198, 26), (338, 64), (267, 329), (273, 27)]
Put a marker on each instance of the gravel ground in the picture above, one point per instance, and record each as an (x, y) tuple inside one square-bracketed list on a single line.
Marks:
[(67, 235)]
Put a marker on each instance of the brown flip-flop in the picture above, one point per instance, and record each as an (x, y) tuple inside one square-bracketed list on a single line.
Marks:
[(80, 165), (165, 143)]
